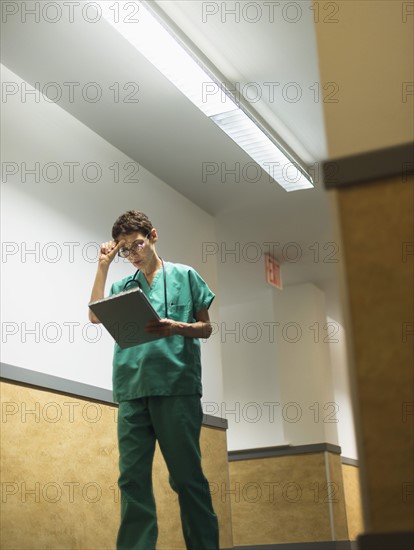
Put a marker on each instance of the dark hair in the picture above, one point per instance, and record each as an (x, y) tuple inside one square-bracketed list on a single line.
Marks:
[(130, 222)]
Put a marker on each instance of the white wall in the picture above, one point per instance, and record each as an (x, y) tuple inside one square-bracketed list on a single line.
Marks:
[(45, 293), (249, 354), (264, 379), (340, 376), (311, 414), (45, 300)]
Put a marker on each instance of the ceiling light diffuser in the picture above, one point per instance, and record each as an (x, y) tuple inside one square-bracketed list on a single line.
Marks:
[(164, 49)]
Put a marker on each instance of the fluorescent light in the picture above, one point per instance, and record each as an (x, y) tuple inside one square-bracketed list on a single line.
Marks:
[(174, 61), (155, 43), (262, 150)]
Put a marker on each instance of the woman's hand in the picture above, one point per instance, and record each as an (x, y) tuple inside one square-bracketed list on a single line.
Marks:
[(108, 252), (163, 327), (167, 327)]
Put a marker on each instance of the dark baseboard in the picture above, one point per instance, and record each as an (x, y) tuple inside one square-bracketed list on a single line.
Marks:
[(387, 541), (325, 545)]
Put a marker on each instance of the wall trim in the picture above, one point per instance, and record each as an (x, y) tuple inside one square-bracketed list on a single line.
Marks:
[(282, 450), (397, 161), (48, 382), (350, 461)]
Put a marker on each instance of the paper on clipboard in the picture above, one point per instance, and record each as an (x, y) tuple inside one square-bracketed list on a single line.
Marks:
[(125, 316)]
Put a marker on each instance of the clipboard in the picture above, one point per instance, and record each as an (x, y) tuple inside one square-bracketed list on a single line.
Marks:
[(125, 315)]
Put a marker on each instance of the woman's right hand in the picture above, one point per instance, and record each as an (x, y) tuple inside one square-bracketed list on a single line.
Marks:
[(108, 252)]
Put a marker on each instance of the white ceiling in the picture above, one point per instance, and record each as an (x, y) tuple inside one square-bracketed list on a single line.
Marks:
[(171, 138)]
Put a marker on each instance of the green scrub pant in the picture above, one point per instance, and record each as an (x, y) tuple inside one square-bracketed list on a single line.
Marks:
[(175, 421)]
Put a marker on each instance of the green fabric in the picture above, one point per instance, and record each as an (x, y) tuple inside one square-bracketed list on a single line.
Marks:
[(172, 365), (175, 421)]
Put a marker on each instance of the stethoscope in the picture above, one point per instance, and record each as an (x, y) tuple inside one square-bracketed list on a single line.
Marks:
[(135, 281)]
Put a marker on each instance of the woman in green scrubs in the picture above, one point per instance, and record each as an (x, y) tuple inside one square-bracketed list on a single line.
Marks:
[(158, 387)]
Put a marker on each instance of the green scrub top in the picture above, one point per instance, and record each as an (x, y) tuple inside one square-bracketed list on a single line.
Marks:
[(171, 365)]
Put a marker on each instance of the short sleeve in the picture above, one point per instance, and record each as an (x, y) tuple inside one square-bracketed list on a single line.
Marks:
[(201, 294)]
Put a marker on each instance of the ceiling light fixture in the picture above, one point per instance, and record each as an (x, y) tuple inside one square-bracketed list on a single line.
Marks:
[(176, 61)]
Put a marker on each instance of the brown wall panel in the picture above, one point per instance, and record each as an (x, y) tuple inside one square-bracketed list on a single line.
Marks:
[(285, 499), (59, 463), (353, 502), (338, 504), (377, 223)]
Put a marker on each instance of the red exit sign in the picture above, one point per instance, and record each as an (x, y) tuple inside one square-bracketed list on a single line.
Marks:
[(273, 273)]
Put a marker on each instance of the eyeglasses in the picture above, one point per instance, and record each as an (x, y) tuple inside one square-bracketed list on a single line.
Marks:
[(135, 247)]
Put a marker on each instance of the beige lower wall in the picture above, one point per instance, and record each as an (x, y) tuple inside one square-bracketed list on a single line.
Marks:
[(59, 464), (352, 489), (376, 224), (282, 499), (338, 511)]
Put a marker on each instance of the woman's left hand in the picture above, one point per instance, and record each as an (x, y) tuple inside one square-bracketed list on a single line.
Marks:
[(163, 327)]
